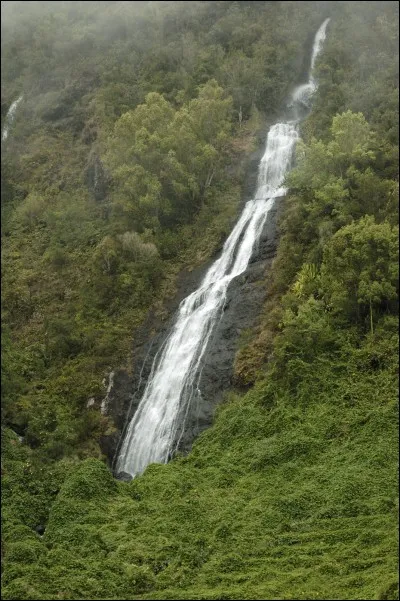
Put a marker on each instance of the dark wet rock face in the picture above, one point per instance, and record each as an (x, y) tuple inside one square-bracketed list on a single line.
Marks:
[(40, 530), (124, 476), (245, 298), (109, 442)]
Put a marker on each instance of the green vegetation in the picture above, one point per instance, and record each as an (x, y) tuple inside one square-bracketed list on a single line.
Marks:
[(124, 165), (116, 175)]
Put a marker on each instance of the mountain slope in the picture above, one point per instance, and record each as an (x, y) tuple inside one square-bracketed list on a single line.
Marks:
[(292, 492)]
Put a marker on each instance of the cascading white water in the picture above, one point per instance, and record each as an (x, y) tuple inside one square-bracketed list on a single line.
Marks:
[(10, 118), (151, 435), (317, 46), (302, 94)]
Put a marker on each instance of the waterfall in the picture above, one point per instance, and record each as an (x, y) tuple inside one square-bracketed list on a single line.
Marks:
[(302, 95), (150, 437), (317, 46), (10, 118)]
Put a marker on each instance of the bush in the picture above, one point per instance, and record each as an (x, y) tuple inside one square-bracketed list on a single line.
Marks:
[(25, 552), (91, 481)]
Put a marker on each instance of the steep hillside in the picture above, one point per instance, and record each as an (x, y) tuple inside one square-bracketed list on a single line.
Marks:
[(96, 228), (124, 165)]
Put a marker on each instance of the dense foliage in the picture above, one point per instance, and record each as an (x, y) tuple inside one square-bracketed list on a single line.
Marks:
[(124, 165)]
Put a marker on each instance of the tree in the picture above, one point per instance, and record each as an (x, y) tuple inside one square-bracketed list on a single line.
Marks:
[(211, 112), (359, 273), (163, 161), (242, 77), (353, 140), (340, 178)]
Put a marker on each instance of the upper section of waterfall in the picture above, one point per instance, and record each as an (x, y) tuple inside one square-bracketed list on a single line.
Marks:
[(301, 98), (318, 43)]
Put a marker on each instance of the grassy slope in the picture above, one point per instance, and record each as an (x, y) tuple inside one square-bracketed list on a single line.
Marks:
[(279, 500)]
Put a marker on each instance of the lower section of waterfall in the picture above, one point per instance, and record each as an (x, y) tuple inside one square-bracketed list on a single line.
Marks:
[(173, 386), (245, 298)]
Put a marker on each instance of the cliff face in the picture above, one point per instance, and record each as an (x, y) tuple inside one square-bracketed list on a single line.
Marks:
[(245, 297)]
